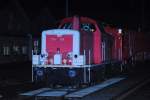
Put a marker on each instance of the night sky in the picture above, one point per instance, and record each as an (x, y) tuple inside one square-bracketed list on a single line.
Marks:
[(127, 13)]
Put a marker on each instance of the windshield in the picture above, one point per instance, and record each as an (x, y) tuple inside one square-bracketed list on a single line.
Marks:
[(66, 26), (83, 26)]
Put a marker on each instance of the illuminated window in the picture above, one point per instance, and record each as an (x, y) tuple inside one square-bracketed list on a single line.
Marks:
[(24, 50), (16, 50), (6, 50), (66, 26)]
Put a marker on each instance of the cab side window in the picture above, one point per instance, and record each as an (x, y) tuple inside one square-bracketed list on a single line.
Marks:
[(87, 27)]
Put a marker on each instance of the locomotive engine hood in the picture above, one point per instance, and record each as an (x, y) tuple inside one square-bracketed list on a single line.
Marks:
[(59, 43)]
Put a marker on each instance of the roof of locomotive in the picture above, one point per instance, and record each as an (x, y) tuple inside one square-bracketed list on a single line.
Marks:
[(82, 19)]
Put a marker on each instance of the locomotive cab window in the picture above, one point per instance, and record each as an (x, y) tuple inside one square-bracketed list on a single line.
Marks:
[(66, 26), (6, 50), (87, 27)]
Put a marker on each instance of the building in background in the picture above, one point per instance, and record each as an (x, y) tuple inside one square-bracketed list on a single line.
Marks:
[(18, 29)]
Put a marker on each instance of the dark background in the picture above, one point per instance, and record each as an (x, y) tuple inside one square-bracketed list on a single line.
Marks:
[(33, 16), (128, 13)]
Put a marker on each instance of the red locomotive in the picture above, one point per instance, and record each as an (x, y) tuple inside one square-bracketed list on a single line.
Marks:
[(79, 51), (80, 39)]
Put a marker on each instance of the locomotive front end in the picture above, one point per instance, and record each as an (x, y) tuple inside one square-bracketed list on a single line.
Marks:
[(61, 47), (60, 59)]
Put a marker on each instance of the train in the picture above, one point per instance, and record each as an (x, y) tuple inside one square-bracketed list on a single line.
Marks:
[(79, 51)]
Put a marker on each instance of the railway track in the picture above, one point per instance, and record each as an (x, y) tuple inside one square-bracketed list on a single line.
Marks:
[(112, 89), (133, 91)]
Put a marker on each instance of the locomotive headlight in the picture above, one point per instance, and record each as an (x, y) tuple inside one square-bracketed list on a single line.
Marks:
[(69, 55), (120, 31), (70, 61)]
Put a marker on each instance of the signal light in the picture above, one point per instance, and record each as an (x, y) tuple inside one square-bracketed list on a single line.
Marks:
[(51, 61), (65, 61), (69, 61)]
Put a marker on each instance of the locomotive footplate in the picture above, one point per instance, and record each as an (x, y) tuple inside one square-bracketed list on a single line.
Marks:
[(69, 74)]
